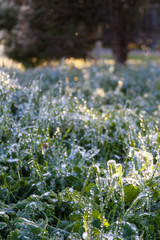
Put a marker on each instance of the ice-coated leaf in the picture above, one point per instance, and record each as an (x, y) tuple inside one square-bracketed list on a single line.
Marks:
[(3, 225)]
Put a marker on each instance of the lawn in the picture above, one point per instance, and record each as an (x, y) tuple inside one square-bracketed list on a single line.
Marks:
[(80, 152)]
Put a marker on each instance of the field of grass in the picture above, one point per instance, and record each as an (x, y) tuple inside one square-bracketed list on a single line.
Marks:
[(80, 153)]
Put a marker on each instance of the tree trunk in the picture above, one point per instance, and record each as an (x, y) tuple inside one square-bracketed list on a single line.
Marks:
[(155, 25), (122, 14)]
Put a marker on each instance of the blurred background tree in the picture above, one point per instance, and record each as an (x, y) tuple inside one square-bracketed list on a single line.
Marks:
[(123, 17), (54, 29), (36, 30)]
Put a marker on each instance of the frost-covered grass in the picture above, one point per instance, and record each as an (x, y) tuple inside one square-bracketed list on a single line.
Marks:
[(80, 153)]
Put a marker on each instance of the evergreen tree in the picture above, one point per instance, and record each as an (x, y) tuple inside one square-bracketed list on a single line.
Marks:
[(42, 30), (54, 29)]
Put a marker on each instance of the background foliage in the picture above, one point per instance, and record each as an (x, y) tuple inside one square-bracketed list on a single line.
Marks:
[(38, 31)]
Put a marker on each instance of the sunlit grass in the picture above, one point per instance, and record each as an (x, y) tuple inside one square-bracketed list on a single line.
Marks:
[(133, 59), (9, 63)]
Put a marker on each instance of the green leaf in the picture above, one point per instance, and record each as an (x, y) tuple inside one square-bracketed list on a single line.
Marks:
[(75, 216), (3, 225), (13, 235), (12, 162), (25, 223), (130, 193), (4, 217)]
